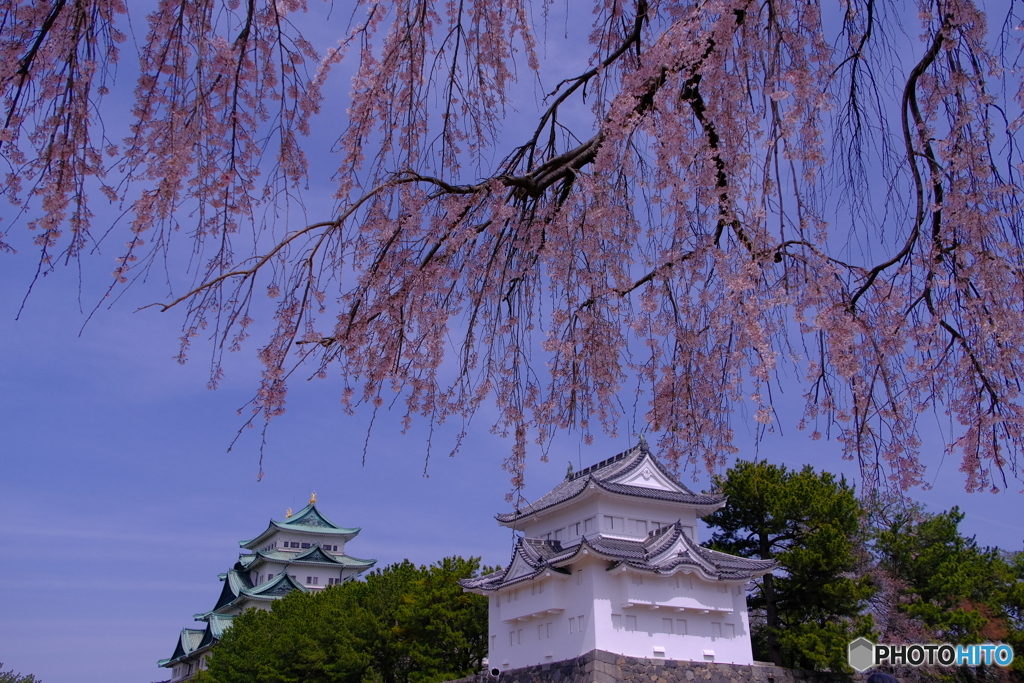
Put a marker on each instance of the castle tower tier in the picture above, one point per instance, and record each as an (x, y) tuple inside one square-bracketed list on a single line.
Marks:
[(610, 560)]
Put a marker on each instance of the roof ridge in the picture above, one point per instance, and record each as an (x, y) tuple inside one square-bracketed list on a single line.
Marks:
[(607, 461)]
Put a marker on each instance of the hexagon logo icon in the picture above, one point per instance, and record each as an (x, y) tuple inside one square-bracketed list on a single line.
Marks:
[(861, 654)]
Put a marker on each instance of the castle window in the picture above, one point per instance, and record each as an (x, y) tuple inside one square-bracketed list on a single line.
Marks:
[(589, 525), (729, 630), (640, 526), (295, 544), (666, 626), (681, 627), (716, 629), (630, 622), (616, 621), (305, 545)]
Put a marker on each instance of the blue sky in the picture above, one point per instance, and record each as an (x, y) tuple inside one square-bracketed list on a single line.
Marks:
[(121, 504)]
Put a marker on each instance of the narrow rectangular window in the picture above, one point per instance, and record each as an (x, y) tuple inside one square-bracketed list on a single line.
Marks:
[(519, 637), (666, 625), (616, 621), (572, 624), (511, 638), (269, 577), (547, 629), (494, 642), (558, 534), (681, 627), (630, 622), (729, 630), (540, 587), (579, 577), (716, 629), (581, 620), (609, 522), (540, 631), (588, 525)]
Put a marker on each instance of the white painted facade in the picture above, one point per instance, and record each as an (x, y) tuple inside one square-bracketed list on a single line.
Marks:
[(605, 564)]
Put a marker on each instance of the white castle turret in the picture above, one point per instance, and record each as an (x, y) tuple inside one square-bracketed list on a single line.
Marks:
[(610, 560)]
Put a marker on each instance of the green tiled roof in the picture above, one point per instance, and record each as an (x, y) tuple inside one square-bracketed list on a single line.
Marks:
[(310, 556), (282, 584), (308, 520), (188, 642)]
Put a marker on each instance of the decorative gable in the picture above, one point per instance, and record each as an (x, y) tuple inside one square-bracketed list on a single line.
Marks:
[(647, 474), (519, 568)]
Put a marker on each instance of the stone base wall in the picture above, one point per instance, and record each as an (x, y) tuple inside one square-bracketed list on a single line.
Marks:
[(598, 666)]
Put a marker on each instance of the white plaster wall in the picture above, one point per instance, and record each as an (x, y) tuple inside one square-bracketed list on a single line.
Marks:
[(598, 596), (591, 504), (640, 630)]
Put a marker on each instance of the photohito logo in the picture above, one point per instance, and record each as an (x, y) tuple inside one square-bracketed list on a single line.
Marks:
[(862, 654)]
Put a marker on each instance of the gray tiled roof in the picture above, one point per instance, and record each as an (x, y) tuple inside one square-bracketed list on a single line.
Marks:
[(602, 473), (662, 552)]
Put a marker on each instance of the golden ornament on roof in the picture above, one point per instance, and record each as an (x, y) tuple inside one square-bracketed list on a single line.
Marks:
[(312, 498), (288, 513)]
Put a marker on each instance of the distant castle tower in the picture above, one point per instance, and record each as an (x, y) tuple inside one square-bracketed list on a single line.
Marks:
[(305, 552), (610, 561)]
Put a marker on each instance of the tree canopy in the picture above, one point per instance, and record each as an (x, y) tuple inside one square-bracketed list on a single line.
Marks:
[(404, 624), (950, 589), (814, 605), (690, 202), (11, 677)]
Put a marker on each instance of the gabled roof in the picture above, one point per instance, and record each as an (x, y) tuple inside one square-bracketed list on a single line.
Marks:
[(635, 472), (280, 585), (311, 556), (308, 520), (664, 551), (188, 642), (215, 627), (235, 581)]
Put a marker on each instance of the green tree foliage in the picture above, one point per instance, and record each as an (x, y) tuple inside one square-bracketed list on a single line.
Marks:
[(955, 590), (402, 625), (11, 677), (808, 522)]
